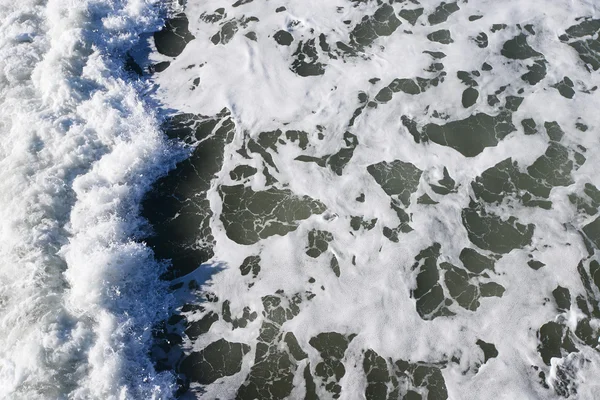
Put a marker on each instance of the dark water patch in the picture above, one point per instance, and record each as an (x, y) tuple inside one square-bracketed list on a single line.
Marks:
[(311, 387), (411, 86), (565, 88), (588, 201), (529, 126), (283, 38), (467, 78), (263, 143), (358, 222), (197, 328), (250, 264), (513, 103), (174, 36), (363, 100), (490, 232), (491, 289), (438, 55), (411, 127), (554, 167), (215, 361), (537, 72), (237, 322), (435, 67), (398, 179), (442, 13), (473, 134), (535, 264), (584, 38), (582, 127), (554, 131), (498, 27), (442, 36), (555, 341), (469, 97), (403, 227), (377, 374), (226, 33), (585, 28), (481, 40), (389, 379), (589, 305), (272, 374), (229, 28), (411, 16), (320, 161), (318, 242), (386, 94), (446, 185), (382, 23), (429, 295), (241, 3), (132, 66), (306, 59), (300, 136), (586, 333), (489, 350), (475, 17), (337, 161), (505, 179), (177, 206), (592, 231), (195, 83), (457, 281), (562, 297), (242, 172), (517, 48), (408, 86), (159, 67), (216, 16), (249, 216), (331, 346), (334, 264), (425, 199), (529, 28), (476, 262)]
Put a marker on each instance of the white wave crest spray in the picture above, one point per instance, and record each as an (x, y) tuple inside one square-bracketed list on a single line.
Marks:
[(79, 293)]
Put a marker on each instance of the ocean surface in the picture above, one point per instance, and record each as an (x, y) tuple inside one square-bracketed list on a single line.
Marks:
[(299, 199)]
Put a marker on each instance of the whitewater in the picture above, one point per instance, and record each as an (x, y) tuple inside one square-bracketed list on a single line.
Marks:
[(79, 294), (299, 199)]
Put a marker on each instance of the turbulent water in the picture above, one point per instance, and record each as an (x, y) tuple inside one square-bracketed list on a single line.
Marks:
[(354, 199), (79, 294)]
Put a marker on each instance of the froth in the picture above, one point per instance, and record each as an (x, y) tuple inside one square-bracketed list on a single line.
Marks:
[(79, 148)]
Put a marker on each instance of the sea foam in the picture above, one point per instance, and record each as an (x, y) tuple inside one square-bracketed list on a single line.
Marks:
[(79, 146), (316, 68)]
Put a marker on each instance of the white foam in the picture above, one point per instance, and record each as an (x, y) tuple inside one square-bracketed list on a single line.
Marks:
[(79, 147)]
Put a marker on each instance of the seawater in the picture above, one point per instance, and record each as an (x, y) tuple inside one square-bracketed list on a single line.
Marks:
[(354, 199)]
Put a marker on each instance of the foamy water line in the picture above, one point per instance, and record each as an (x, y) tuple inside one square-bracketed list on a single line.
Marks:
[(79, 293)]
